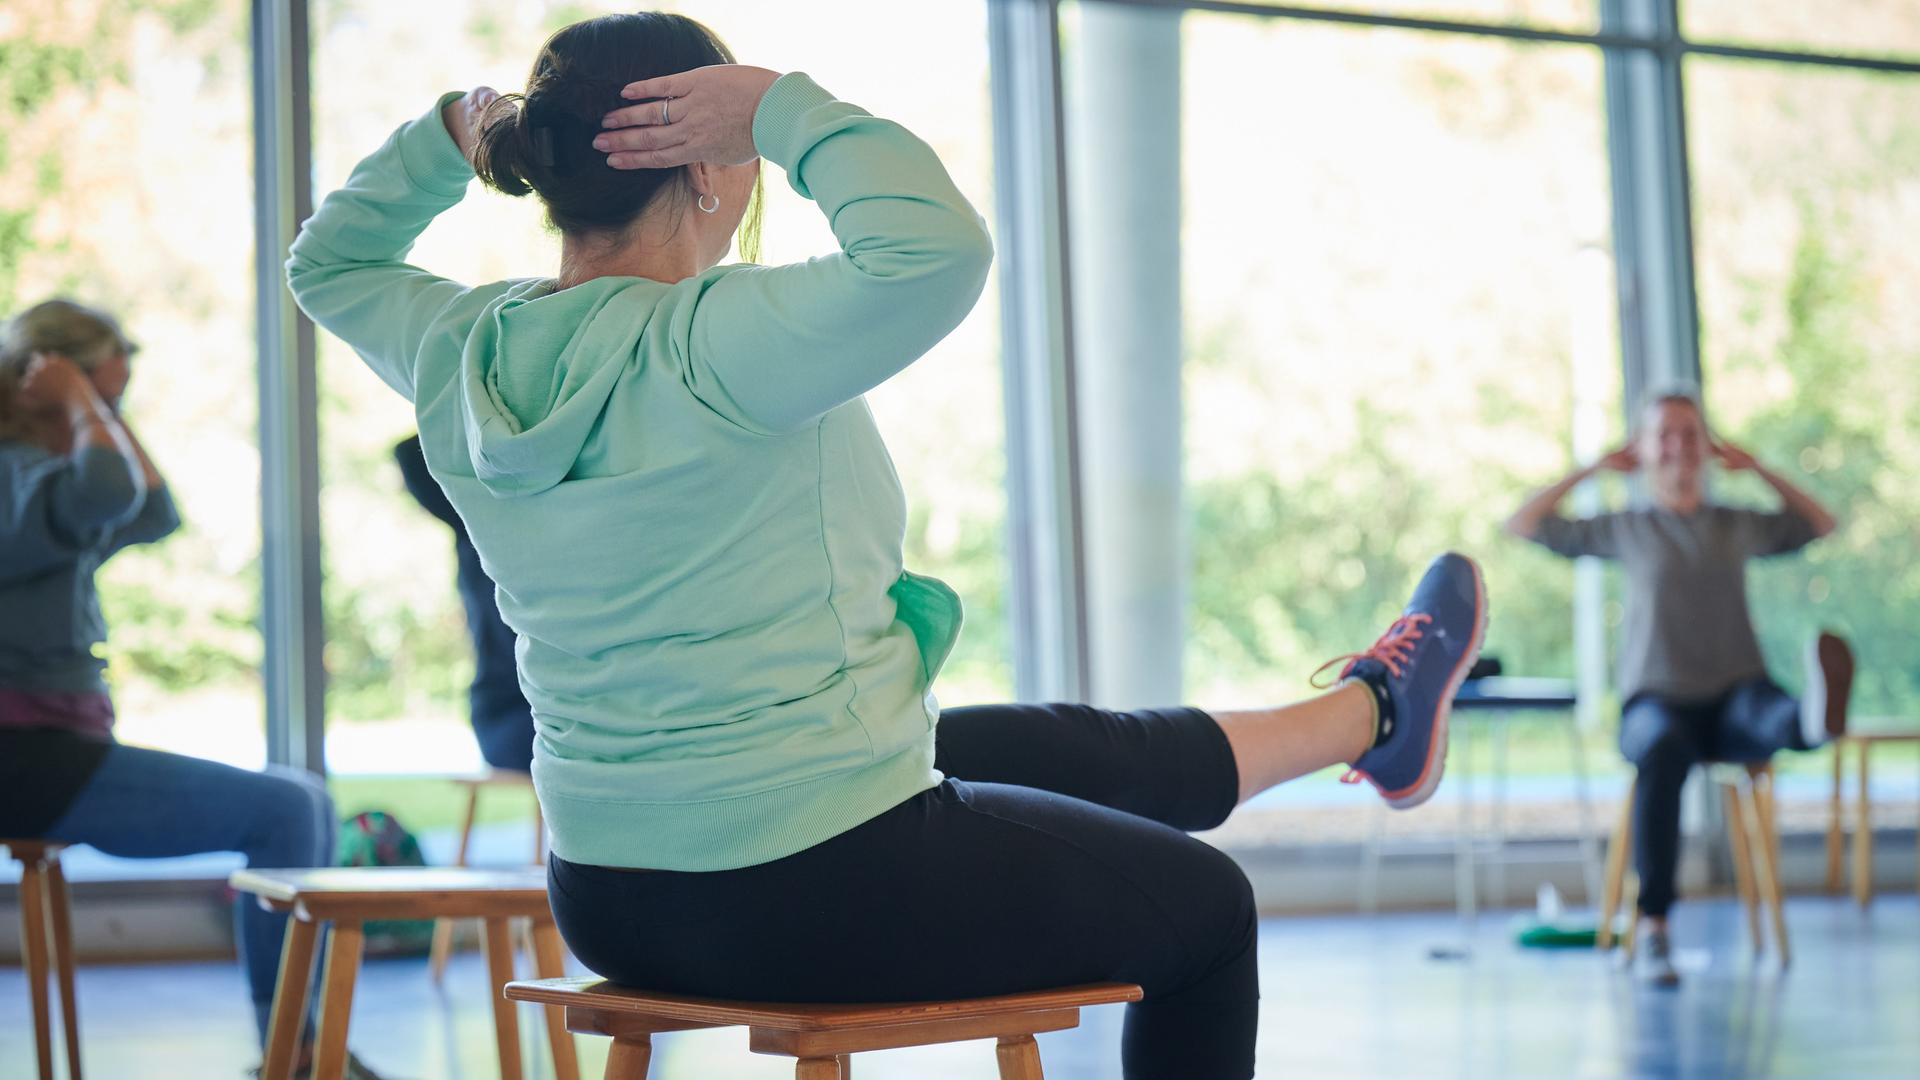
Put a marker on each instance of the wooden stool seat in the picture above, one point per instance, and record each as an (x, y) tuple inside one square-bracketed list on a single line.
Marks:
[(821, 1037), (442, 945), (46, 926), (1747, 788), (349, 897)]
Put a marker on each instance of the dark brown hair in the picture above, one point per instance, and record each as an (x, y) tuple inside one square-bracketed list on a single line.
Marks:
[(542, 141)]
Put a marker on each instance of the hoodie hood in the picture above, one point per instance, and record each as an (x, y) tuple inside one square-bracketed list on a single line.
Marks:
[(537, 372)]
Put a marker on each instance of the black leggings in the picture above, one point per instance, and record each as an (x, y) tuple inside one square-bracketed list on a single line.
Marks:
[(1052, 855)]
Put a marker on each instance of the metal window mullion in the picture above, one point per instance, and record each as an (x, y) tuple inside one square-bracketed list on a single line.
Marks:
[(1047, 601), (291, 620)]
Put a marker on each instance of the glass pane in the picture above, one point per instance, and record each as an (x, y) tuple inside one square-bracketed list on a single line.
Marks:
[(398, 656), (1807, 195), (1871, 27), (1396, 315), (126, 183), (1569, 15)]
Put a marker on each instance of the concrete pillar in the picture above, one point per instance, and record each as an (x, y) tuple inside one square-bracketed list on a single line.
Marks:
[(1124, 172)]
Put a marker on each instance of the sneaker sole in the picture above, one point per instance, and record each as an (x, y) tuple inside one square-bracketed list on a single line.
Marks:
[(1436, 767)]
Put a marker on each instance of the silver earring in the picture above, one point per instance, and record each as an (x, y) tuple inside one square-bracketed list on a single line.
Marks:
[(701, 202)]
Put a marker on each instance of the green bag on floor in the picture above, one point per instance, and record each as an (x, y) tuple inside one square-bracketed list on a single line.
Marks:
[(376, 838)]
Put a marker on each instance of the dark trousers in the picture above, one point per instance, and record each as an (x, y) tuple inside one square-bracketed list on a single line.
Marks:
[(1664, 739), (1053, 854)]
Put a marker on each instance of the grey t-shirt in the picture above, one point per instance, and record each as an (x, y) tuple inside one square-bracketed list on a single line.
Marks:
[(1687, 633), (60, 518)]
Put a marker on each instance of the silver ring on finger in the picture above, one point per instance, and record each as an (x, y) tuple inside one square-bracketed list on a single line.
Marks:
[(665, 116)]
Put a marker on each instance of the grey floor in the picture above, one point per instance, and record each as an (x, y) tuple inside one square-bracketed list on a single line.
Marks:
[(1344, 997)]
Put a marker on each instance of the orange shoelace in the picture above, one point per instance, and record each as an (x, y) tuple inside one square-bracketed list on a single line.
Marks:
[(1394, 650)]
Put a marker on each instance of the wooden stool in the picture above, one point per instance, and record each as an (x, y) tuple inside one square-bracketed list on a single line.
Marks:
[(442, 945), (822, 1037), (45, 919), (1748, 791), (1863, 742), (349, 897)]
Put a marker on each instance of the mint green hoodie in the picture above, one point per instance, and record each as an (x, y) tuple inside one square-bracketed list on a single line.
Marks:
[(694, 525)]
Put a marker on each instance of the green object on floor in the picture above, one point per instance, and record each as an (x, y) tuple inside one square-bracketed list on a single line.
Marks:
[(1539, 935)]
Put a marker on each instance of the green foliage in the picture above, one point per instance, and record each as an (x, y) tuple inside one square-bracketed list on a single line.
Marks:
[(1832, 436)]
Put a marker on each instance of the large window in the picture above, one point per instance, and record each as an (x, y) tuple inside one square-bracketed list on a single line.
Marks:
[(1807, 190), (125, 183), (1394, 284), (1863, 27), (1572, 15), (397, 655)]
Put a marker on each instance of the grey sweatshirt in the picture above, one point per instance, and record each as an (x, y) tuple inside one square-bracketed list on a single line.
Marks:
[(1687, 634), (60, 518)]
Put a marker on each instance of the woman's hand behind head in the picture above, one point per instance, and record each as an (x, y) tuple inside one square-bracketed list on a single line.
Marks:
[(462, 117), (703, 115)]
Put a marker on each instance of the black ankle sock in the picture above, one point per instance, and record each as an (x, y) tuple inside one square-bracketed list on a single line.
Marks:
[(1383, 706)]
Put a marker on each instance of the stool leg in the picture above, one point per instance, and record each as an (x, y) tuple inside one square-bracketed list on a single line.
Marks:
[(1863, 836), (442, 946), (33, 942), (336, 1000), (506, 1021), (1019, 1057), (826, 1068), (1770, 841), (1741, 847), (629, 1058), (1835, 811), (549, 963), (1616, 873), (60, 901), (290, 1000)]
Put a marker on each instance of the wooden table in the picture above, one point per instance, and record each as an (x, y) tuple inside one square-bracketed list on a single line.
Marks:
[(1863, 743), (350, 897)]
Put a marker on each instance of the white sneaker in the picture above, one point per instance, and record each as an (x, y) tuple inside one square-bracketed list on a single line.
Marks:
[(1653, 960)]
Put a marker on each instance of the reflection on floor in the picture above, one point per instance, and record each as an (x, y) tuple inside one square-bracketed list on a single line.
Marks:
[(1344, 997)]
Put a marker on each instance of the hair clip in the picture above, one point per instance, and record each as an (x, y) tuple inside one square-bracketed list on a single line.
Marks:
[(543, 146)]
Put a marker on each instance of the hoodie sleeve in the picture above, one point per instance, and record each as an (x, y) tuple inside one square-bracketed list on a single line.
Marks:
[(771, 348), (347, 267), (54, 508)]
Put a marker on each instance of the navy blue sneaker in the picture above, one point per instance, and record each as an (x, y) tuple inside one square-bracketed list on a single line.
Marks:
[(1414, 670)]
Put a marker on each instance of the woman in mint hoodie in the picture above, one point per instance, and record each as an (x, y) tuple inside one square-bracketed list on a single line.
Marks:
[(668, 467)]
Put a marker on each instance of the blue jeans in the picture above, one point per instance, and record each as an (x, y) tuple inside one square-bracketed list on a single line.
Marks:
[(145, 804)]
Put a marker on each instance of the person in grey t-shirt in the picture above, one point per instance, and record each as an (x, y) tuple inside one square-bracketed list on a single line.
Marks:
[(1691, 676)]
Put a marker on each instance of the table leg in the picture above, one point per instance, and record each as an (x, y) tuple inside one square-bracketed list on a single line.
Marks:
[(344, 946), (289, 1000), (1836, 807), (1863, 836), (1583, 798), (506, 1022), (549, 963), (1466, 880), (1497, 808)]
